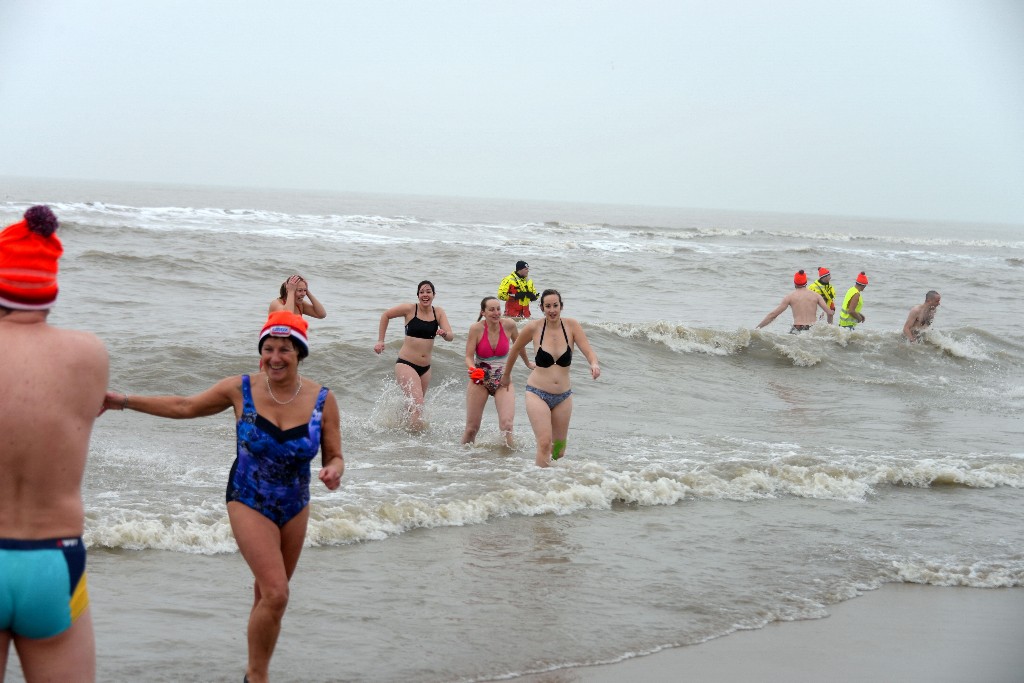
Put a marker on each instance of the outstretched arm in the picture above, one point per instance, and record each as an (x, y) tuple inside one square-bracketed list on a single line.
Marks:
[(775, 313), (222, 395)]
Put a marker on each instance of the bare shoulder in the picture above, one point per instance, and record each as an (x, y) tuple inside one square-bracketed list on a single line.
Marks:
[(401, 310), (573, 324), (531, 327), (84, 346), (509, 325), (233, 384)]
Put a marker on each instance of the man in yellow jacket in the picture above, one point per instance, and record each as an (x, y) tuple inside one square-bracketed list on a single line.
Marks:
[(823, 286), (517, 291)]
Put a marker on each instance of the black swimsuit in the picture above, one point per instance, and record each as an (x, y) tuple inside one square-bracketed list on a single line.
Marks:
[(421, 329), (543, 359)]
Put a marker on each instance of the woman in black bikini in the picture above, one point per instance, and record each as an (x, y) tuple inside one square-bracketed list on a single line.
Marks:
[(548, 396), (423, 321)]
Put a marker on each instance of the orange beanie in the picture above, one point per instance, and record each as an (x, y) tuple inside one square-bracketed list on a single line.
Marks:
[(28, 261), (287, 324), (800, 278)]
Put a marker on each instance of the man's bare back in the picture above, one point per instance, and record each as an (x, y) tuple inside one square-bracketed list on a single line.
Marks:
[(53, 392), (804, 304), (52, 387)]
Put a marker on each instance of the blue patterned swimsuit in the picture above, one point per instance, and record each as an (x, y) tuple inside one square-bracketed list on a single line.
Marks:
[(271, 471)]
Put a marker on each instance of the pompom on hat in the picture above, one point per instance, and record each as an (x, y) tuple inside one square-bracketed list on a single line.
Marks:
[(287, 324), (799, 278), (29, 251), (823, 271), (862, 279)]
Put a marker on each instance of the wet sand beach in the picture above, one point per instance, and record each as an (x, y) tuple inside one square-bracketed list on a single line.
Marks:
[(900, 632)]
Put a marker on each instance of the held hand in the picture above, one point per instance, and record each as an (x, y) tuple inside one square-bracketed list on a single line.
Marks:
[(530, 364), (114, 401), (330, 476), (378, 347)]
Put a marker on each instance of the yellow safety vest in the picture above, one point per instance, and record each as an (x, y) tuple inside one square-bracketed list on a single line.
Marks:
[(826, 292), (845, 319)]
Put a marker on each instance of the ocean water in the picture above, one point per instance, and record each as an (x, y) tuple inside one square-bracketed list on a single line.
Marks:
[(717, 478)]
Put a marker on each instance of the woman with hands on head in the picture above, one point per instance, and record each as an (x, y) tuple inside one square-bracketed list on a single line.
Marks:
[(294, 292), (487, 347), (548, 393), (282, 420), (423, 322)]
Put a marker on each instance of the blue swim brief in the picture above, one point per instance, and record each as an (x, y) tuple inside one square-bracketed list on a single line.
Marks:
[(551, 399), (42, 585)]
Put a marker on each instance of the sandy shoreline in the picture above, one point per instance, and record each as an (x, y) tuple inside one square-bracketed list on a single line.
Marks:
[(903, 632)]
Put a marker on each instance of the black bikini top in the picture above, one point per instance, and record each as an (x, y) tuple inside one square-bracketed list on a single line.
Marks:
[(422, 329), (543, 359)]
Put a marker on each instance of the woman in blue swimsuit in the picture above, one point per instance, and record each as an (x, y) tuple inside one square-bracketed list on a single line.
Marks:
[(548, 396), (423, 322), (282, 420)]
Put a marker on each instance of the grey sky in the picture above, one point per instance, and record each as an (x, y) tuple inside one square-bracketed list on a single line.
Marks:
[(895, 108)]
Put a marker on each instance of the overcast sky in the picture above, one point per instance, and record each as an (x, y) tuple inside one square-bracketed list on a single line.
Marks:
[(897, 108)]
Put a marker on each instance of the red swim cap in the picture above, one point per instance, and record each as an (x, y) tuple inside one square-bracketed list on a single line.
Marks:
[(862, 279), (800, 278)]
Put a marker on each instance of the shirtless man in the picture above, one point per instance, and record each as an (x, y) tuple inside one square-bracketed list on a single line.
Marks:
[(804, 304), (53, 385), (921, 316)]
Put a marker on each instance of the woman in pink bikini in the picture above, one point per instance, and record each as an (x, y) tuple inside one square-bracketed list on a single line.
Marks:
[(486, 351)]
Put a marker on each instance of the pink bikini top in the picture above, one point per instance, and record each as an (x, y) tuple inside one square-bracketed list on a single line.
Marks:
[(483, 347)]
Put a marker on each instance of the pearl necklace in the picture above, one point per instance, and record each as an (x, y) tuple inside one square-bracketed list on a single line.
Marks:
[(284, 403)]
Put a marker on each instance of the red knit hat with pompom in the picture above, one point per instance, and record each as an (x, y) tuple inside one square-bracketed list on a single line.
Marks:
[(29, 251)]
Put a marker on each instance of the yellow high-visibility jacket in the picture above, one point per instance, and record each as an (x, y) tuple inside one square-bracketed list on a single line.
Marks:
[(513, 286)]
